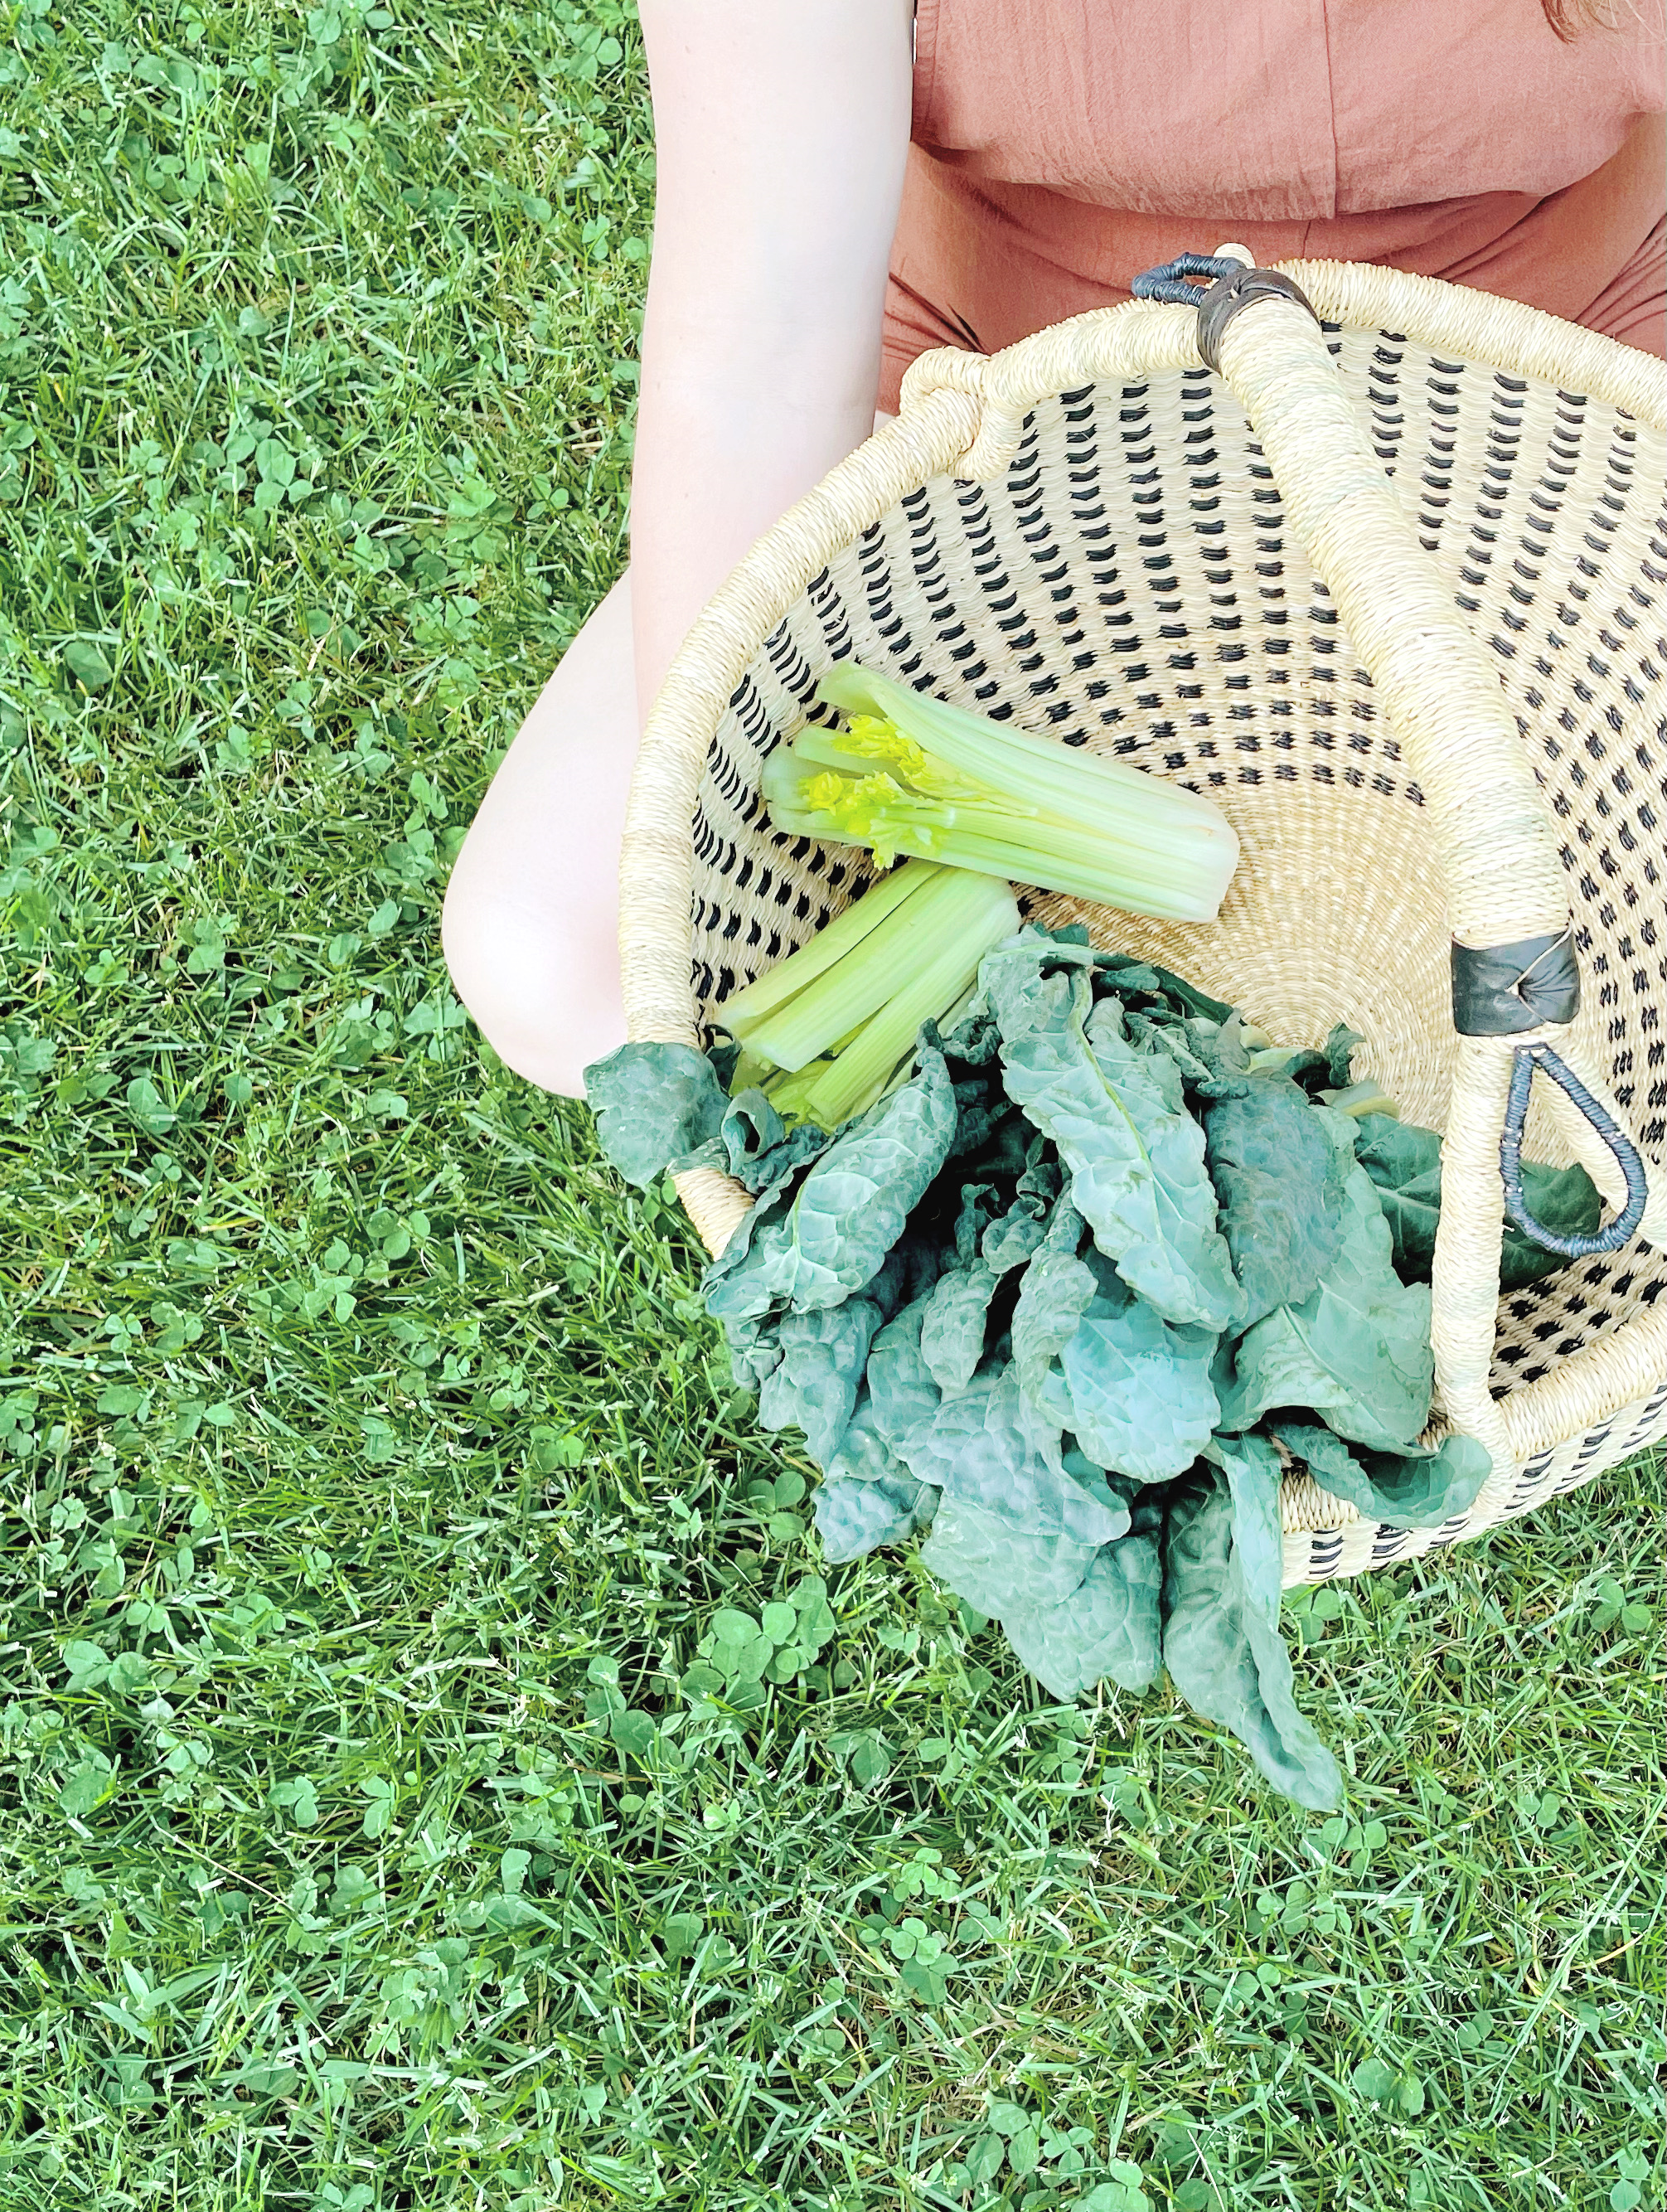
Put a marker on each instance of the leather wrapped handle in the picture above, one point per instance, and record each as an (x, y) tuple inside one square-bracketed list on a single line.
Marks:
[(1628, 1159)]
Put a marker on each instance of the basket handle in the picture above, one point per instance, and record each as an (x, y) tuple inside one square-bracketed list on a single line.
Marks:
[(1504, 880), (1514, 972)]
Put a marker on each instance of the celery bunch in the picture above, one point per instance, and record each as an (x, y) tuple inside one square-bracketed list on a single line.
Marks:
[(913, 774), (827, 1029)]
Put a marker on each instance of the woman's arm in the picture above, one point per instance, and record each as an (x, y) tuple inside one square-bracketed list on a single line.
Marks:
[(781, 131)]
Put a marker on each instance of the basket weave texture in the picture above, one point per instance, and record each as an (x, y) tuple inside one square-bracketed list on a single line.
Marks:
[(1085, 534)]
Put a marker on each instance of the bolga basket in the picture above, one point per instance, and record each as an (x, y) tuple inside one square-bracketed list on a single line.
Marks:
[(1388, 583)]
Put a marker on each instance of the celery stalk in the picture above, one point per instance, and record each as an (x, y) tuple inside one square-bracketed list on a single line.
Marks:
[(914, 775), (747, 1006), (950, 907), (1367, 1096), (788, 1093), (968, 924), (1023, 768), (833, 1043), (1071, 863)]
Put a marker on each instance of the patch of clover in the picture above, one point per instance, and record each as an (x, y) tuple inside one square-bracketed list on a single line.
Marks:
[(1046, 2151), (921, 1951), (740, 1652)]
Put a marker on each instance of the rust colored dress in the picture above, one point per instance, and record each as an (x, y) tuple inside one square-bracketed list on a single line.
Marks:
[(1062, 146)]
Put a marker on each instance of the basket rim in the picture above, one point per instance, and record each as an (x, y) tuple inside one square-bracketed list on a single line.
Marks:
[(1476, 327), (949, 399)]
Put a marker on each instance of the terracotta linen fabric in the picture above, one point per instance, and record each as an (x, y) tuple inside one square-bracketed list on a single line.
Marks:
[(1062, 146)]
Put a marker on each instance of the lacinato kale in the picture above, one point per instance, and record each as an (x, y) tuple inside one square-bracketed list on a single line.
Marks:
[(1097, 1270)]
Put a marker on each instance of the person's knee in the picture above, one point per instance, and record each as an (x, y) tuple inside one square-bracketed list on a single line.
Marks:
[(541, 997), (531, 921)]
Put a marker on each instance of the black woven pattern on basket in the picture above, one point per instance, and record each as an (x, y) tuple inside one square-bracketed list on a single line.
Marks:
[(1130, 586)]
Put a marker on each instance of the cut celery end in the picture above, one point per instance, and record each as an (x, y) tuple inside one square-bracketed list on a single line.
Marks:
[(749, 1073), (842, 998), (1367, 1096), (942, 983), (747, 1006), (787, 1093)]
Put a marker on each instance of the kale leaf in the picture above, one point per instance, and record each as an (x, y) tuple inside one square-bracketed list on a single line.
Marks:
[(654, 1104), (981, 1449), (902, 1390), (1339, 1049), (1136, 1156), (1054, 1293), (863, 1454), (850, 1209), (758, 1151), (1357, 1351), (984, 1560), (1108, 1626), (1280, 1182), (1404, 1489), (1405, 1162), (1141, 1400), (1221, 1643), (952, 1328), (815, 1381), (1013, 1239), (854, 1517)]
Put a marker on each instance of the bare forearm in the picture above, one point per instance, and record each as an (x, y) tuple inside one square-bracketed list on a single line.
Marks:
[(780, 138), (725, 446)]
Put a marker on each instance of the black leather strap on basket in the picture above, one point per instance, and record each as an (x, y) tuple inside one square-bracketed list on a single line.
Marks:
[(1624, 1227), (1234, 286), (1500, 990)]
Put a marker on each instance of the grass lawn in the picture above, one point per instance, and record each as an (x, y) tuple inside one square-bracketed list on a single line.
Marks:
[(371, 1832)]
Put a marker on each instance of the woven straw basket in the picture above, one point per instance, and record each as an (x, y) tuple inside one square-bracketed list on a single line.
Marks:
[(1390, 587)]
